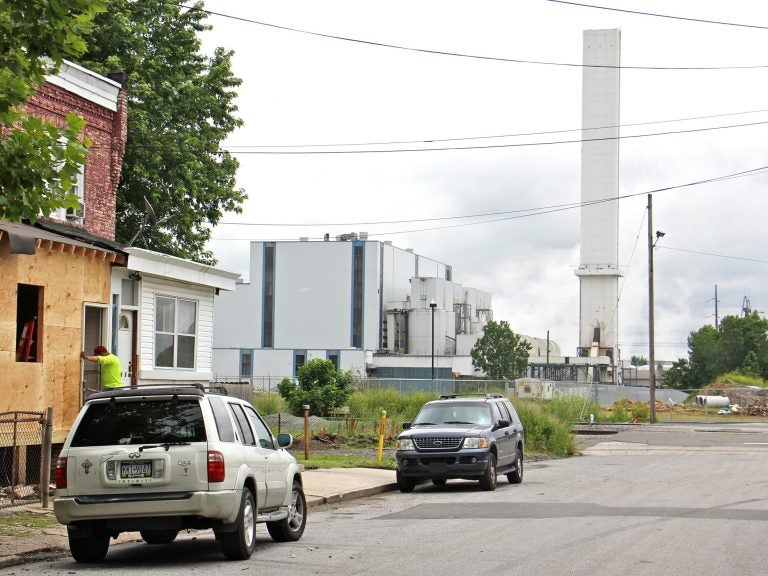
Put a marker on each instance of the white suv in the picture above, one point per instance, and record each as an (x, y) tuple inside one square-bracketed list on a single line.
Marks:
[(162, 459)]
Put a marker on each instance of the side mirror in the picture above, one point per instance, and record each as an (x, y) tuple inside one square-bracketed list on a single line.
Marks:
[(407, 425), (284, 440), (502, 424)]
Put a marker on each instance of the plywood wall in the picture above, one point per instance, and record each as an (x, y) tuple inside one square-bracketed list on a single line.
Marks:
[(68, 281)]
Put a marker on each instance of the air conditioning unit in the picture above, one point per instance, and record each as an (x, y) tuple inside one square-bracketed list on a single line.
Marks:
[(75, 213)]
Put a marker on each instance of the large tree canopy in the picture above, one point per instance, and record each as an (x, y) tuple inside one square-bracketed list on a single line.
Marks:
[(39, 161), (181, 106), (500, 353), (740, 345)]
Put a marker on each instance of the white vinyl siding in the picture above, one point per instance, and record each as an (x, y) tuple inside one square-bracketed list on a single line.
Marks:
[(154, 289)]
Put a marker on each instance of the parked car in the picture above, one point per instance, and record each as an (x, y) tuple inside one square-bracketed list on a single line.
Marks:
[(473, 438), (162, 459)]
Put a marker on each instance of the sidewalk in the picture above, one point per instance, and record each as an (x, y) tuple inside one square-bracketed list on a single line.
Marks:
[(326, 486)]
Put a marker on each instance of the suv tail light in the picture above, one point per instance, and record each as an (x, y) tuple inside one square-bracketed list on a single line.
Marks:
[(61, 472), (215, 466)]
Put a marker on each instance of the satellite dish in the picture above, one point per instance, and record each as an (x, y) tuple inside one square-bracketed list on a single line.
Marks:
[(150, 219), (149, 216)]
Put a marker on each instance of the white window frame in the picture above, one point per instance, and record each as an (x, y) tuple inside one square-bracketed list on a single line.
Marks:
[(174, 333)]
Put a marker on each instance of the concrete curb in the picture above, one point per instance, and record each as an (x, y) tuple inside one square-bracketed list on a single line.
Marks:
[(313, 501)]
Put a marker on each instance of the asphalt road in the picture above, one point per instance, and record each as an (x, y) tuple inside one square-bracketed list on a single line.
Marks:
[(652, 501)]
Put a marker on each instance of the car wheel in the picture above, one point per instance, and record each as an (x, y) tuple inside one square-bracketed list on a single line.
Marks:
[(488, 479), (291, 529), (88, 543), (159, 536), (404, 483), (240, 543), (439, 481), (516, 477)]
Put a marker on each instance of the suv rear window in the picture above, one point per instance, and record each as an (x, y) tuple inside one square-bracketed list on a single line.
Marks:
[(141, 422)]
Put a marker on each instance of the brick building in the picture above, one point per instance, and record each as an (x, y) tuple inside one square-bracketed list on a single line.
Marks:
[(102, 103)]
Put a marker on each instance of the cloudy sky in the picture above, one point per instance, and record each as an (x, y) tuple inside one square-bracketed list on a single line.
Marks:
[(453, 128)]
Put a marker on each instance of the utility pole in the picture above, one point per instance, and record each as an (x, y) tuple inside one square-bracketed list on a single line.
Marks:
[(717, 326), (651, 356)]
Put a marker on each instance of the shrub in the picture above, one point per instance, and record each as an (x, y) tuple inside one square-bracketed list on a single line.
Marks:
[(320, 386)]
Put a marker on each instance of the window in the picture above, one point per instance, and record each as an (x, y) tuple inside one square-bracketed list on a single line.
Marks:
[(246, 434), (263, 434), (299, 359), (175, 332), (357, 295), (78, 189), (29, 314), (246, 363), (268, 319), (141, 422), (333, 356)]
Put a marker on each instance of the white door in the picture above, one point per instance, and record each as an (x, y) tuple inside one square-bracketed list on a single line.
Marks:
[(125, 342)]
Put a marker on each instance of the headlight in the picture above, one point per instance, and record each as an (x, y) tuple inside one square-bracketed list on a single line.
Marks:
[(475, 442), (404, 444)]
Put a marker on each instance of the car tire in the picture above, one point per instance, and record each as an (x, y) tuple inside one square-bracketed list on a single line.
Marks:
[(404, 483), (89, 543), (291, 529), (241, 542), (439, 481), (516, 477), (158, 536), (488, 479)]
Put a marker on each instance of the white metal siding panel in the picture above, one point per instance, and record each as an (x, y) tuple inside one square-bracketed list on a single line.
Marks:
[(151, 287), (313, 295)]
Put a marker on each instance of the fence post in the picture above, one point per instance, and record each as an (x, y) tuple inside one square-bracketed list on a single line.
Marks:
[(45, 457)]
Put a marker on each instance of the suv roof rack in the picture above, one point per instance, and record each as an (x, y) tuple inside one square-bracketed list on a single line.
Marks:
[(454, 396)]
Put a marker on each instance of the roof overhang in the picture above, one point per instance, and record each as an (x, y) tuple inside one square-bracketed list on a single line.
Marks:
[(26, 239), (165, 266)]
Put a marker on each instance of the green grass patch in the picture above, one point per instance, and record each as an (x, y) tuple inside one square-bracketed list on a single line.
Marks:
[(19, 524), (326, 460)]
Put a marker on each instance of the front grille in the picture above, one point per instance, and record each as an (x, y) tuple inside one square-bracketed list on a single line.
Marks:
[(438, 442)]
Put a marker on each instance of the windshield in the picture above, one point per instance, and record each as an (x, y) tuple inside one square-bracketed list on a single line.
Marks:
[(155, 421), (434, 414)]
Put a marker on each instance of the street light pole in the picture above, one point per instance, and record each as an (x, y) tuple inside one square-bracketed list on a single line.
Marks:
[(433, 305), (651, 335)]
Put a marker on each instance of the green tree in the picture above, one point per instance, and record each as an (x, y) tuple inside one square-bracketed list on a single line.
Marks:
[(638, 361), (181, 106), (320, 385), (751, 365), (500, 353), (740, 344), (739, 337), (39, 161), (704, 355), (679, 375)]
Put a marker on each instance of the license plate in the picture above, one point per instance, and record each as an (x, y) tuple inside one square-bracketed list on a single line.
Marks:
[(136, 470)]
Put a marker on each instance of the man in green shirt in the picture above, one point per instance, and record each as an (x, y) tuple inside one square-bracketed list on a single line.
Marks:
[(111, 372)]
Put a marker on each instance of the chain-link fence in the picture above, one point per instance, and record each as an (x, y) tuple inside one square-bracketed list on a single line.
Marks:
[(25, 458)]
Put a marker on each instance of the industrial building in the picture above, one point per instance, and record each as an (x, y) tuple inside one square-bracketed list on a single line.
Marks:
[(366, 305)]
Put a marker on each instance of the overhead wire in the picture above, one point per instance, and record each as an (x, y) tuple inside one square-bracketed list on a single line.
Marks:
[(493, 146), (494, 136), (498, 216), (456, 54), (658, 15)]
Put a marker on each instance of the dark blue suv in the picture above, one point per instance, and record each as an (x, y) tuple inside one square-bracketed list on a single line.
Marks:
[(467, 437)]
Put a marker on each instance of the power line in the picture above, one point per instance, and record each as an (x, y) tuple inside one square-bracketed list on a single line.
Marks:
[(711, 254), (656, 15), (517, 135), (503, 215), (491, 146), (456, 54)]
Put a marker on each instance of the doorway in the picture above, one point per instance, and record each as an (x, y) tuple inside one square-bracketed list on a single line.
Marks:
[(94, 334)]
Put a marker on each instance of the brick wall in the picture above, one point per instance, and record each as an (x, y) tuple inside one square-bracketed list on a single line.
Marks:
[(108, 132)]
